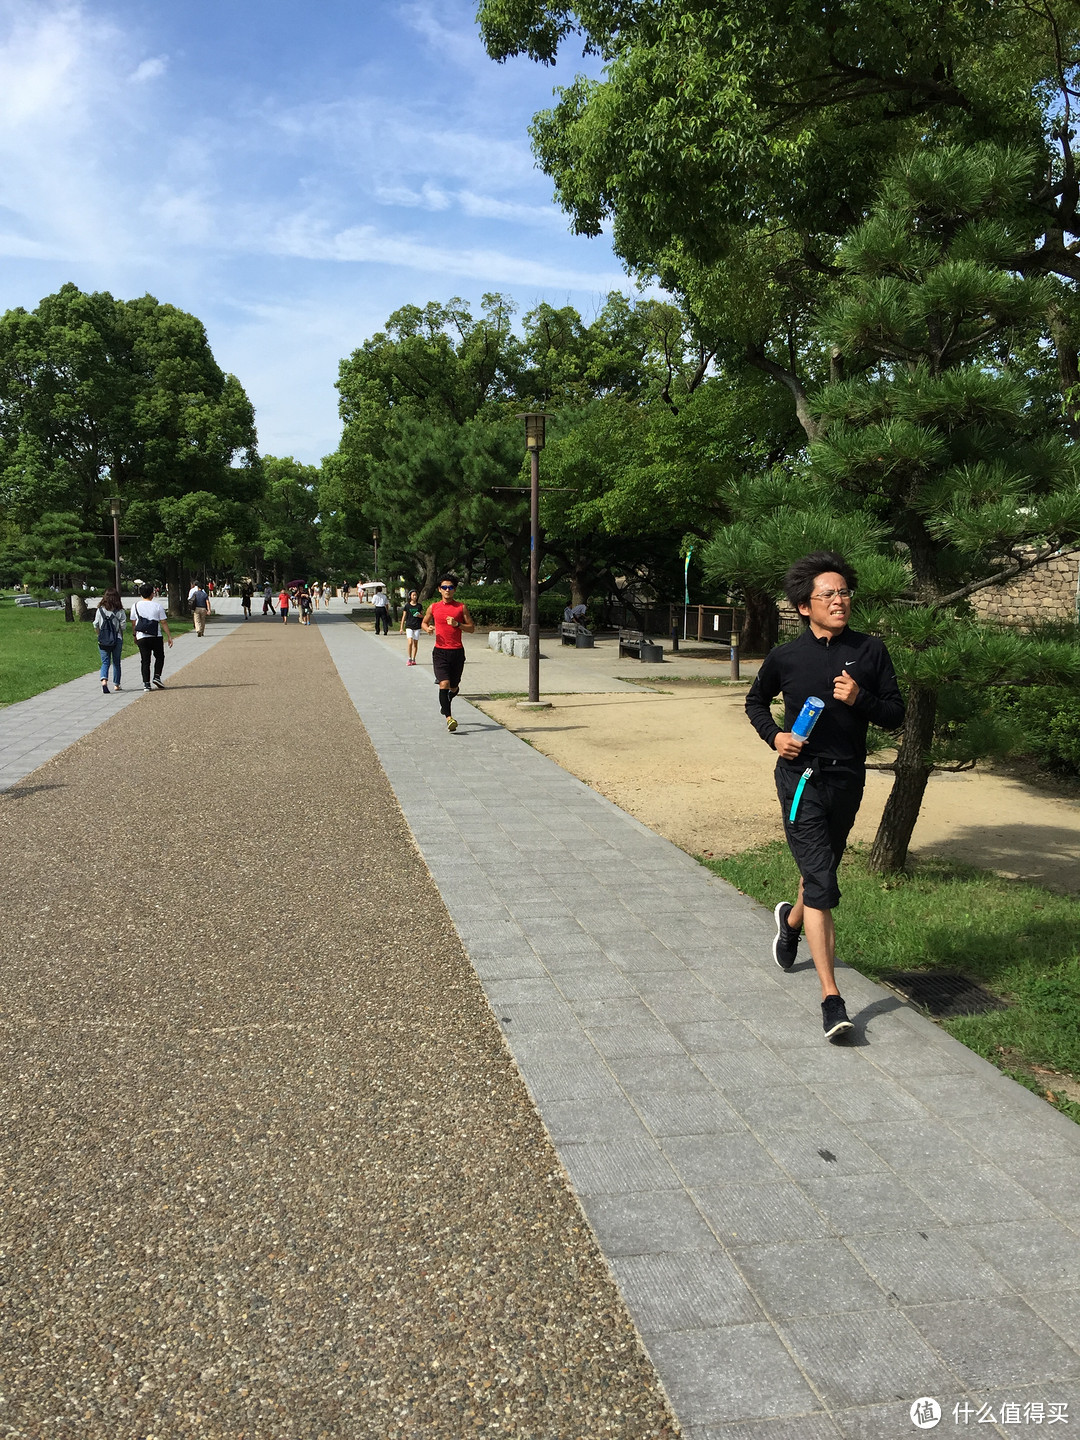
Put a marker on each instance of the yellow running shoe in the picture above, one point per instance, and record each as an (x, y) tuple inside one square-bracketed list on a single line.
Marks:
[(451, 724)]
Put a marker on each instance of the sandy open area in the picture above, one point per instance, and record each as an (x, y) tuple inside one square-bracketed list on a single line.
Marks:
[(690, 766)]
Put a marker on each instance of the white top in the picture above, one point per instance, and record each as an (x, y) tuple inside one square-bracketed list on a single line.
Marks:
[(147, 610), (119, 618), (380, 599)]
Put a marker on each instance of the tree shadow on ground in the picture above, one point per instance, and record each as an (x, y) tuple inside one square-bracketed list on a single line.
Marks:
[(1046, 855)]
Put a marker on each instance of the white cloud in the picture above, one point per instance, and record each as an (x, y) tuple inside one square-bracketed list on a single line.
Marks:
[(150, 69)]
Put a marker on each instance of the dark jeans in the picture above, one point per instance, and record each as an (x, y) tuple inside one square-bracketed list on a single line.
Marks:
[(382, 612), (151, 648)]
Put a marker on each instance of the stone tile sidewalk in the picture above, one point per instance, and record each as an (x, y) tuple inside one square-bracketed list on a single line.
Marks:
[(809, 1238), (33, 731)]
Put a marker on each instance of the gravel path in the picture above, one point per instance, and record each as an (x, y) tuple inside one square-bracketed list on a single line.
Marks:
[(267, 1167)]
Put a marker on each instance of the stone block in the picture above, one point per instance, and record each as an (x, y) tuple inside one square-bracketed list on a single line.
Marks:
[(521, 647), (495, 639), (506, 641)]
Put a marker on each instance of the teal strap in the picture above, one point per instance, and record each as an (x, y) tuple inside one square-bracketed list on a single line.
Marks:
[(798, 794)]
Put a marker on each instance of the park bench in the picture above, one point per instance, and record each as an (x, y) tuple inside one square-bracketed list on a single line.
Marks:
[(633, 642), (575, 634)]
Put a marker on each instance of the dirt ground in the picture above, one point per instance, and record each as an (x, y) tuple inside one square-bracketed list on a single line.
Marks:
[(690, 766)]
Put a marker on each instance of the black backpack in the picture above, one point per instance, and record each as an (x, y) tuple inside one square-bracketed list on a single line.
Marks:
[(148, 629), (108, 633)]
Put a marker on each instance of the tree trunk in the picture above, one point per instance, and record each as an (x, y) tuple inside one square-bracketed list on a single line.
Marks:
[(761, 624), (174, 603), (78, 607), (429, 567), (890, 849), (69, 614)]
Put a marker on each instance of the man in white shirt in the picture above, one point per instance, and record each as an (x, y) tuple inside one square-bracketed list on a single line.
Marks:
[(199, 601), (149, 620), (381, 601)]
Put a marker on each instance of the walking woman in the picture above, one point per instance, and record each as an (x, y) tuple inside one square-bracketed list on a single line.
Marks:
[(109, 623)]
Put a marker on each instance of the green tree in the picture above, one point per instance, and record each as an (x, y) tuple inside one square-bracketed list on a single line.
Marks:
[(287, 535), (57, 552), (940, 461), (100, 396)]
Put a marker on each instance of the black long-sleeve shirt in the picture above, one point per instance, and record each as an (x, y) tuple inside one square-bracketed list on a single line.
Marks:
[(808, 666)]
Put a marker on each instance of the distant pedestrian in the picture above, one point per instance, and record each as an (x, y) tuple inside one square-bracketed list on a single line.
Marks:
[(109, 623), (246, 592), (412, 618), (306, 603), (345, 592), (446, 618), (283, 606), (150, 621), (225, 590), (381, 601), (268, 600), (199, 600)]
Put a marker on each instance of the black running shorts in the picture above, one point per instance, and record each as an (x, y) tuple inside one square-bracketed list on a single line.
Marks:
[(823, 822), (448, 664)]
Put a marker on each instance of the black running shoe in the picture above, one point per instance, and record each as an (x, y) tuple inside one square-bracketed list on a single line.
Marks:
[(159, 683), (786, 944), (834, 1017)]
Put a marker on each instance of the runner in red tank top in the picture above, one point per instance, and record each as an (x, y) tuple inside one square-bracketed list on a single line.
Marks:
[(446, 619)]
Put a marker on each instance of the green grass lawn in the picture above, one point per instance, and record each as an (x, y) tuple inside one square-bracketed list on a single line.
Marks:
[(1017, 940), (38, 650)]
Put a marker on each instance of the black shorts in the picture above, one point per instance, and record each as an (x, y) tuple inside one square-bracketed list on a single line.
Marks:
[(823, 821), (448, 665)]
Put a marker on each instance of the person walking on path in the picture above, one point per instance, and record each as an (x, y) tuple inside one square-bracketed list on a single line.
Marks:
[(412, 618), (820, 778), (345, 592), (305, 605), (109, 622), (199, 600), (381, 601), (283, 606), (150, 620), (246, 592), (268, 600), (446, 618)]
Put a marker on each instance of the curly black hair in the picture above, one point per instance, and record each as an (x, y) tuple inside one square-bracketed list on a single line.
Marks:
[(799, 580)]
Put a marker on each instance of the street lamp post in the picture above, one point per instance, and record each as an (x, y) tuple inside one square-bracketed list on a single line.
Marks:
[(375, 543), (534, 443), (114, 511)]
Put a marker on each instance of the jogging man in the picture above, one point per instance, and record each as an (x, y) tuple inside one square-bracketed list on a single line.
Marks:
[(820, 780), (446, 619)]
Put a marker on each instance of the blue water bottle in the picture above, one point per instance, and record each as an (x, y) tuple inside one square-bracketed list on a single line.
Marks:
[(808, 717)]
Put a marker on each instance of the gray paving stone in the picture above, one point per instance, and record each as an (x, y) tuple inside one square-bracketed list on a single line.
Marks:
[(994, 1342), (819, 1153), (744, 1070), (816, 1426), (736, 1372), (760, 1214), (642, 1074), (866, 1203), (618, 1167), (866, 1357), (921, 1266), (779, 1107), (1060, 1309), (596, 982), (676, 1112), (632, 1224), (704, 1036), (872, 1101), (721, 1159), (811, 1278), (974, 1195), (647, 1037), (694, 1290), (893, 1419), (1044, 1255), (918, 1146), (592, 1119), (549, 1081)]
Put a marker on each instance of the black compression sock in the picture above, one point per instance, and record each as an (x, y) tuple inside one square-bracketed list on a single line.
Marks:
[(444, 701)]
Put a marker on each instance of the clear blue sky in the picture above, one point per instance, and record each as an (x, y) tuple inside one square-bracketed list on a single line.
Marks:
[(289, 173)]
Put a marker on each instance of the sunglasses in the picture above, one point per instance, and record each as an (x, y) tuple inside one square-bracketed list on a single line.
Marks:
[(447, 587)]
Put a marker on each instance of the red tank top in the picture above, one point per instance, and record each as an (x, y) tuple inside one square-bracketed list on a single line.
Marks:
[(447, 637)]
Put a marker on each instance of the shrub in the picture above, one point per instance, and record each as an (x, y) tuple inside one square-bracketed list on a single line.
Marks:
[(1049, 718)]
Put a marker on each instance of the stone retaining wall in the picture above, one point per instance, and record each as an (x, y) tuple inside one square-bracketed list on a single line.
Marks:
[(1049, 592)]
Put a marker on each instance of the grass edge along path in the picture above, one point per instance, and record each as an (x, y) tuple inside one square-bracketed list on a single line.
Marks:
[(1019, 941), (39, 650)]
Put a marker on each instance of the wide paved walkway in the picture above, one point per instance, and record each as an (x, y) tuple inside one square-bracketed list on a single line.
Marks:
[(808, 1238)]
